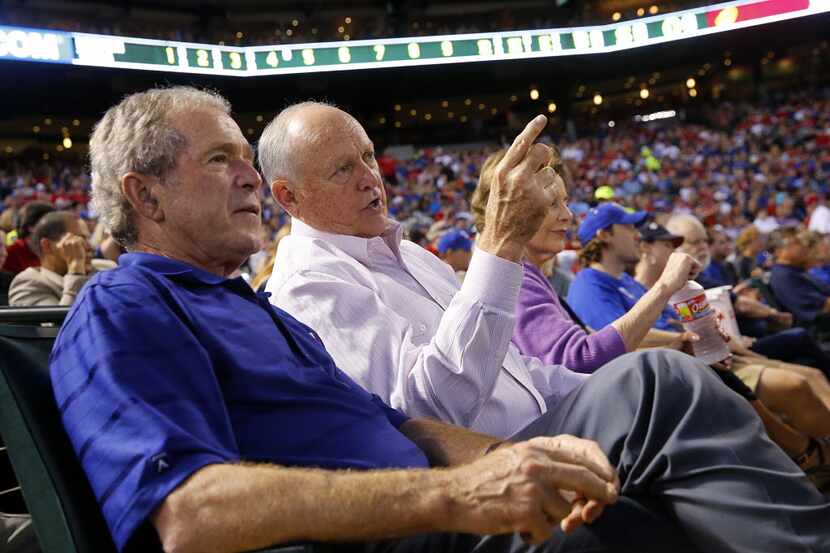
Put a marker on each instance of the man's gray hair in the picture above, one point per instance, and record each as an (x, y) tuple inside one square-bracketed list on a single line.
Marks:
[(277, 150), (136, 135)]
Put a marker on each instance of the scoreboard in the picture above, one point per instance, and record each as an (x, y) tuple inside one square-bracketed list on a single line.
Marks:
[(159, 55)]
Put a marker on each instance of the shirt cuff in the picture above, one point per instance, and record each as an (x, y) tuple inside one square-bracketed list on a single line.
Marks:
[(612, 337), (493, 280)]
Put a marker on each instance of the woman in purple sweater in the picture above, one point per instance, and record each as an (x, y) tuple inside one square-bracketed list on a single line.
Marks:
[(544, 327)]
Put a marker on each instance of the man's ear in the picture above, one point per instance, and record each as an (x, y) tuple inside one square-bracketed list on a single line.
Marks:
[(46, 247), (142, 193), (603, 234), (283, 191)]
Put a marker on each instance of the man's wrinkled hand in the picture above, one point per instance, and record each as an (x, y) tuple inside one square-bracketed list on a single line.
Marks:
[(520, 195), (531, 487)]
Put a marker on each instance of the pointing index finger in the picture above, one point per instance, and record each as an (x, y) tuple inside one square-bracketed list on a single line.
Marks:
[(518, 150)]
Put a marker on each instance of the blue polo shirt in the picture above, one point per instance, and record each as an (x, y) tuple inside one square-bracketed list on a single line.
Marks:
[(600, 299), (716, 275), (161, 369), (799, 294), (821, 274)]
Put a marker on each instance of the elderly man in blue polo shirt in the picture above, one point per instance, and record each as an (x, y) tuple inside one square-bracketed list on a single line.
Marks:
[(209, 420)]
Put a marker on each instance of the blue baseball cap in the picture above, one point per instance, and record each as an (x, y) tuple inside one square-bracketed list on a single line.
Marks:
[(603, 216), (454, 240)]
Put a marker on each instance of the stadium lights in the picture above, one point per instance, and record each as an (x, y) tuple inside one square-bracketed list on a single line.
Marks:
[(668, 114), (597, 99), (616, 16), (640, 12), (653, 10), (690, 82), (534, 94), (693, 92), (67, 142), (76, 122), (551, 107), (644, 93), (612, 124)]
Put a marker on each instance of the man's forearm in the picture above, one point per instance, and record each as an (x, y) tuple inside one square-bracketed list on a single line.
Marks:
[(244, 507), (635, 325), (447, 445)]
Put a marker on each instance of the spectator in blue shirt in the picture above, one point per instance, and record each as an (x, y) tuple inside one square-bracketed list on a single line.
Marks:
[(603, 291), (209, 420), (719, 272), (806, 298), (820, 258)]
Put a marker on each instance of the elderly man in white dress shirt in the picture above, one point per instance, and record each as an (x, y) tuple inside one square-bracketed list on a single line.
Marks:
[(394, 317), (390, 312)]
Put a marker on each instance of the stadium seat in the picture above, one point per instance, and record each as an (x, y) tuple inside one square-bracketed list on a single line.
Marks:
[(64, 511)]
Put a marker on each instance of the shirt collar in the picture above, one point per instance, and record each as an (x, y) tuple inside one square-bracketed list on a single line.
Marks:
[(169, 267), (355, 246)]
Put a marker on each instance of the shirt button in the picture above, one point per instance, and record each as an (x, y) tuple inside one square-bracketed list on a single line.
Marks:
[(422, 327)]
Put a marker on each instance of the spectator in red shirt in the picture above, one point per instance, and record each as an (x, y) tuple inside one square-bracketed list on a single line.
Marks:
[(20, 253)]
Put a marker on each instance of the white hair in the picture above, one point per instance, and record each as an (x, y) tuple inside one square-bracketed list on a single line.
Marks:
[(136, 135), (278, 150), (677, 223)]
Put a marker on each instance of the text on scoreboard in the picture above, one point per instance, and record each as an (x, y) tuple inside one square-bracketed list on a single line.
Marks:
[(135, 53)]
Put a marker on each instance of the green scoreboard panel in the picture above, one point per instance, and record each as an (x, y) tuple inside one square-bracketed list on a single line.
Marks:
[(134, 53)]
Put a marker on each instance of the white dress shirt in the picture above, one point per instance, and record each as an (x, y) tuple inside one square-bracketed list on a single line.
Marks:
[(820, 219), (393, 317)]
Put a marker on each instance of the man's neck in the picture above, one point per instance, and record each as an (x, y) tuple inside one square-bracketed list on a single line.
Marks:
[(609, 264), (222, 268), (646, 274), (789, 263), (51, 265)]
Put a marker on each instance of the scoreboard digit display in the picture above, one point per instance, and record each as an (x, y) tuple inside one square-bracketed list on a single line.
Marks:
[(136, 53)]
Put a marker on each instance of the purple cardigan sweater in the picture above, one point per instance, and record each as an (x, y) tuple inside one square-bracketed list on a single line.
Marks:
[(545, 330)]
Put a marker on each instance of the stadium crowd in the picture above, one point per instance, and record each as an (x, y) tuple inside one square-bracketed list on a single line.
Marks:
[(586, 242)]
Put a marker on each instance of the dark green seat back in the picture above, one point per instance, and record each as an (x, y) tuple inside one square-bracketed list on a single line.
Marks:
[(64, 512)]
